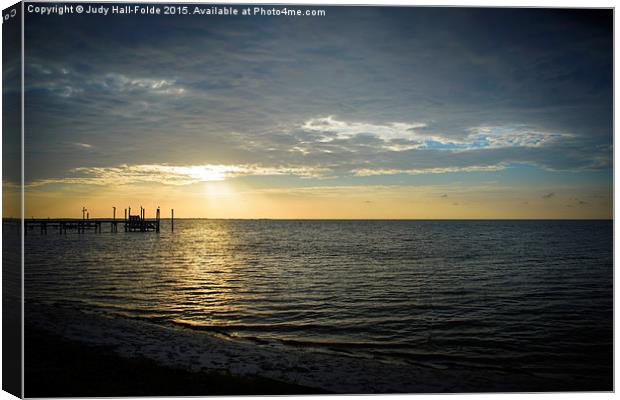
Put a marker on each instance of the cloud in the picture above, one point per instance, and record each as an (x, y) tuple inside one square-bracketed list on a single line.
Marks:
[(121, 83), (331, 128), (332, 97), (404, 136), (354, 149), (429, 170), (167, 174), (512, 136), (66, 82), (578, 201), (329, 148)]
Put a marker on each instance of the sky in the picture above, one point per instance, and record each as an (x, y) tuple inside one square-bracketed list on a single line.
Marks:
[(367, 112)]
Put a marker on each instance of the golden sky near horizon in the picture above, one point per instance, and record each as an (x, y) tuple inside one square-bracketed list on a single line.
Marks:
[(226, 199)]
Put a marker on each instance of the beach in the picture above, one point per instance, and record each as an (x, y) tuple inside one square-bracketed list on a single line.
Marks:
[(65, 340), (57, 367), (91, 359)]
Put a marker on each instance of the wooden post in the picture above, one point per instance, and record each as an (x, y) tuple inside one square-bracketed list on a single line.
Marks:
[(172, 220), (157, 218)]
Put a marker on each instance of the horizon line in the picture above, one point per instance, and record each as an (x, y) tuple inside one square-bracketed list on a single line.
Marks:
[(329, 219)]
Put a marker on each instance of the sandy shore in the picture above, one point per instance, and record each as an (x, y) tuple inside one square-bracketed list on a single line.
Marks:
[(74, 353), (115, 340), (57, 367)]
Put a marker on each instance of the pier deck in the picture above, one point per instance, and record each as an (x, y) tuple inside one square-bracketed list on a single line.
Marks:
[(131, 223), (96, 225)]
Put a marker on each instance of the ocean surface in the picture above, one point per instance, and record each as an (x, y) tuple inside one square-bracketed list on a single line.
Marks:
[(533, 298)]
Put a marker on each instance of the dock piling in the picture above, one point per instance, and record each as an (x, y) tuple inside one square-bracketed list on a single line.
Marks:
[(157, 219), (113, 225)]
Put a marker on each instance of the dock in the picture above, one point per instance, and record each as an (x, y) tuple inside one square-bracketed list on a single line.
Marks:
[(129, 223)]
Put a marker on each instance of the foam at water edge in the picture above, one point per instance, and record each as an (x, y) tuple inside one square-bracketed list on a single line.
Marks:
[(197, 351)]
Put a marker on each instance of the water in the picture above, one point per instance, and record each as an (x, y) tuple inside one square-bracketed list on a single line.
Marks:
[(534, 297)]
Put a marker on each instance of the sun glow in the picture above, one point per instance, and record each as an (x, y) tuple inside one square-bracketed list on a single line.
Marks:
[(207, 173), (220, 189)]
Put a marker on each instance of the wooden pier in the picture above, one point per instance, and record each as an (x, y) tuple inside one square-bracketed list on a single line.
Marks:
[(130, 223)]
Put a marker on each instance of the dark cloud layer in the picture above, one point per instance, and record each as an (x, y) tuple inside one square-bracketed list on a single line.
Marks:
[(361, 91)]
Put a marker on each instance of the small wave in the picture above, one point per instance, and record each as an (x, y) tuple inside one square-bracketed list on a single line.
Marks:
[(248, 327)]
